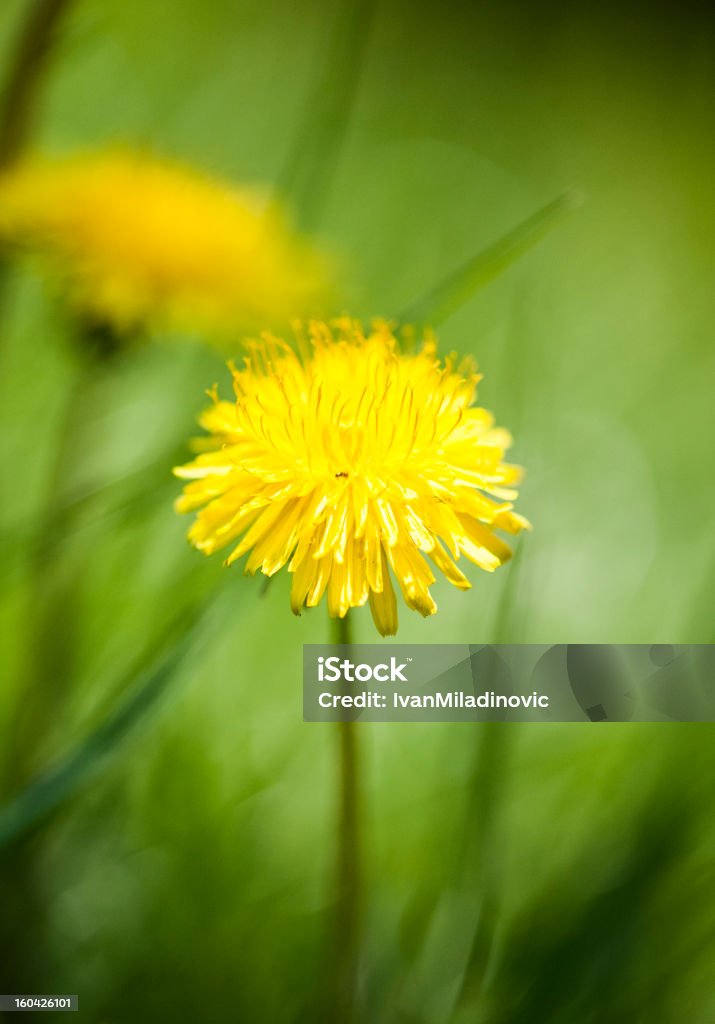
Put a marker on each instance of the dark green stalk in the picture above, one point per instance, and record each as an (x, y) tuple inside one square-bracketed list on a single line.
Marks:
[(21, 92), (348, 917), (21, 89)]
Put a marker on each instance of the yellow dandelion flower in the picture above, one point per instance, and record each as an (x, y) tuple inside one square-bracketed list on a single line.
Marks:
[(142, 242), (350, 460)]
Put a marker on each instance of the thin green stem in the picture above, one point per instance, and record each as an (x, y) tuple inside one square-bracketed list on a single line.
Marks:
[(342, 630), (20, 95), (348, 918)]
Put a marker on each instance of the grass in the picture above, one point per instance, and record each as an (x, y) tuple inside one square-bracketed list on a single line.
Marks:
[(520, 876)]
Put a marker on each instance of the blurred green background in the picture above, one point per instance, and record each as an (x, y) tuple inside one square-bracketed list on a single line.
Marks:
[(182, 869)]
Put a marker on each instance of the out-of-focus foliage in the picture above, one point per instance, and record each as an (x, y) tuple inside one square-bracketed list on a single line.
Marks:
[(514, 874)]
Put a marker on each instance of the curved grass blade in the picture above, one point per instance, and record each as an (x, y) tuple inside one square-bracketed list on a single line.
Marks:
[(122, 498), (60, 783), (458, 287), (310, 165)]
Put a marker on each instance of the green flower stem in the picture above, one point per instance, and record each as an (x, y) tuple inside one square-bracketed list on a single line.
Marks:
[(21, 91), (348, 918)]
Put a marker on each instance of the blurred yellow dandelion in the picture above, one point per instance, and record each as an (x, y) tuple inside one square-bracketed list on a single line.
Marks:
[(349, 460), (142, 242)]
